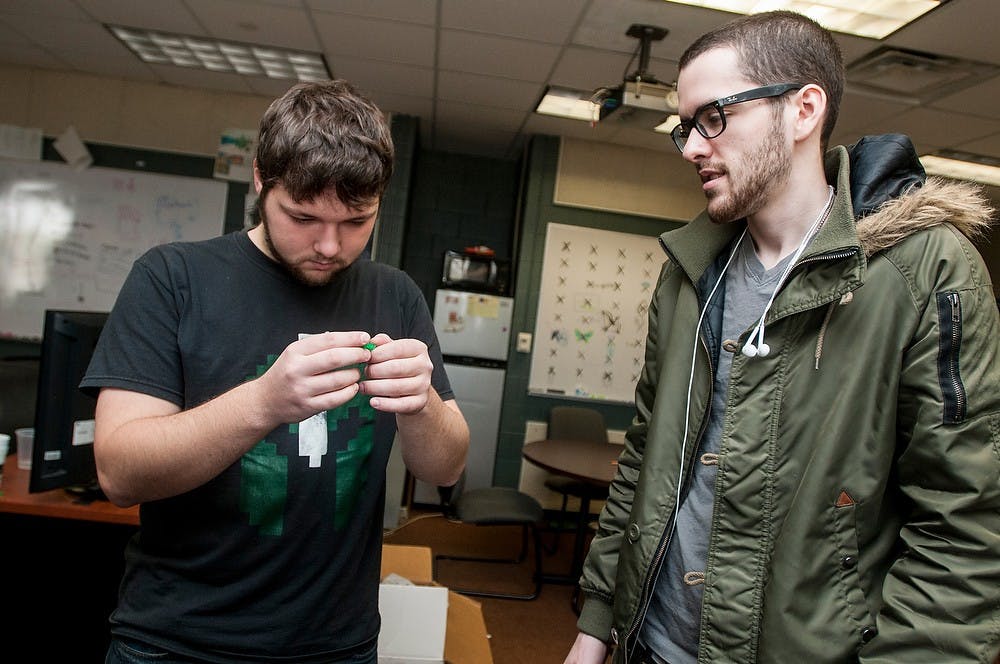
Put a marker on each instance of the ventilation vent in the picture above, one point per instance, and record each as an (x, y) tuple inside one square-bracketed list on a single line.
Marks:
[(918, 76)]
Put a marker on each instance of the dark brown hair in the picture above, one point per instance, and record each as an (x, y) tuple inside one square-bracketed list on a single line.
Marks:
[(321, 136), (781, 47)]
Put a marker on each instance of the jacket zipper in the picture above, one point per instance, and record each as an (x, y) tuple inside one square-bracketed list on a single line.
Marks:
[(956, 336), (647, 589), (950, 313)]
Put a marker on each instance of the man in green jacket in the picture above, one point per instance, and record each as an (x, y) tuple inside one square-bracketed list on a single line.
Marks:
[(813, 472)]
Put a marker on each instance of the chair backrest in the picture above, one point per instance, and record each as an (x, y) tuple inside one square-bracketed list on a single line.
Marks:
[(577, 423)]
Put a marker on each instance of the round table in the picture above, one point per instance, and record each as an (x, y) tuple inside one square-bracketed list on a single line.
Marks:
[(587, 461)]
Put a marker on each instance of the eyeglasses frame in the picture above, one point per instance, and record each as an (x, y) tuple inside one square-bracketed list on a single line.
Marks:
[(765, 92)]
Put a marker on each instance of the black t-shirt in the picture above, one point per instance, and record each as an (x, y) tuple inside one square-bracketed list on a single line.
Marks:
[(277, 558)]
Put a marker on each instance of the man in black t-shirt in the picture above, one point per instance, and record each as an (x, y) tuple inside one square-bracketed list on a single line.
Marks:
[(250, 388)]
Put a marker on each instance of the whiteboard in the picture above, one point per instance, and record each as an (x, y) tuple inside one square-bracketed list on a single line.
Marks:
[(590, 330), (68, 238)]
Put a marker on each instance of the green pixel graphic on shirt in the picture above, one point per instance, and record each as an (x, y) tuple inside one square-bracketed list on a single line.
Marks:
[(263, 477), (264, 474)]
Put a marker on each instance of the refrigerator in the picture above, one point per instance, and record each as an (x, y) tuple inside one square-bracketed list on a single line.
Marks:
[(474, 332)]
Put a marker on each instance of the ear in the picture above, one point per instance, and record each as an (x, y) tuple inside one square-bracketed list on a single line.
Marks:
[(810, 111), (258, 184)]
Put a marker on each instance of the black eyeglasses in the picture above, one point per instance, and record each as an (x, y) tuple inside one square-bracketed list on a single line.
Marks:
[(710, 120)]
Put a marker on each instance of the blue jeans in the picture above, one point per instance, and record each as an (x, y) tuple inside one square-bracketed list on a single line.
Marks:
[(130, 651)]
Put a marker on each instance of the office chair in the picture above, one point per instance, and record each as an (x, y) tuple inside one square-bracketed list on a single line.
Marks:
[(497, 506), (574, 423)]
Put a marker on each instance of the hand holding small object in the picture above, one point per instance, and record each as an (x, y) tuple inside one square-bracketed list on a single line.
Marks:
[(398, 375), (316, 373)]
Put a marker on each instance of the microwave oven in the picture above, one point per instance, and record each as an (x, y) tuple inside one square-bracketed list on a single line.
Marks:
[(475, 272)]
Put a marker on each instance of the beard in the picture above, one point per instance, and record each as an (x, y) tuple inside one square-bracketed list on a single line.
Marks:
[(762, 170), (291, 268)]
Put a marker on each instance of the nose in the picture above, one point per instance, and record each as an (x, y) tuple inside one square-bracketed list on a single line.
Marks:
[(327, 243), (697, 147)]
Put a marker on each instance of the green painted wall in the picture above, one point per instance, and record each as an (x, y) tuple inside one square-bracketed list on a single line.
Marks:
[(537, 211)]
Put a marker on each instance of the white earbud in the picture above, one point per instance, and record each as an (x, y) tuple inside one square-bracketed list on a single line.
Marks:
[(761, 349)]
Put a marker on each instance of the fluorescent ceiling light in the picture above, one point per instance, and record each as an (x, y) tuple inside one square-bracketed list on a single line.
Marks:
[(566, 103), (668, 125), (163, 48), (960, 166), (874, 19)]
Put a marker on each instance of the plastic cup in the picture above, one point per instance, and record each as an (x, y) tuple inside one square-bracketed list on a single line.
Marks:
[(25, 441), (4, 447)]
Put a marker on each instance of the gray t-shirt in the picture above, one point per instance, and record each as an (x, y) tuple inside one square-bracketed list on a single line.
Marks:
[(673, 620)]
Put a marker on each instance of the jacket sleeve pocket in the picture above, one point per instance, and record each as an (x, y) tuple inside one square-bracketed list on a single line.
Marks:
[(949, 308)]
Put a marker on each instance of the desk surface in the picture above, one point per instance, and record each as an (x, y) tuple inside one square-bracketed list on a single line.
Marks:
[(583, 460), (16, 499)]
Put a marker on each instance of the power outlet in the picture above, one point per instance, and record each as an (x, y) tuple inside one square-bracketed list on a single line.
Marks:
[(524, 342)]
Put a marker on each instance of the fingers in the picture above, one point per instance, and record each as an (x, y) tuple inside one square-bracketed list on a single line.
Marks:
[(398, 376), (317, 372)]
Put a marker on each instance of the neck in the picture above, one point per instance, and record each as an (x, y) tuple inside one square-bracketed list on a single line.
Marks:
[(779, 227)]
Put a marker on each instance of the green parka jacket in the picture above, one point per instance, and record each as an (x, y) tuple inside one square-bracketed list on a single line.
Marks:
[(857, 509)]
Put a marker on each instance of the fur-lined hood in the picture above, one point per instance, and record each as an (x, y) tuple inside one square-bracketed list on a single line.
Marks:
[(938, 201), (892, 198)]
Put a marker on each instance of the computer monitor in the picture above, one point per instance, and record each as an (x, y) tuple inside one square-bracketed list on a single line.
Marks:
[(63, 452)]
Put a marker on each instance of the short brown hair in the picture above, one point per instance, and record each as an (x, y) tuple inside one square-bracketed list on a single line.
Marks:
[(324, 135), (781, 47)]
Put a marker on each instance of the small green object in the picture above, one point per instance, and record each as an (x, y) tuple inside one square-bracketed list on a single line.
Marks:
[(369, 346)]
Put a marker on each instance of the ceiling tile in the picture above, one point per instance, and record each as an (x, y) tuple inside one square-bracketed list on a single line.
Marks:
[(588, 69), (496, 56), (29, 55), (859, 110), (201, 78), (64, 9), (384, 76), (163, 15), (257, 23), (488, 90), (606, 22), (551, 21), (125, 65), (366, 38), (408, 11), (989, 146), (478, 117), (945, 128), (961, 29), (982, 99), (420, 107), (65, 36)]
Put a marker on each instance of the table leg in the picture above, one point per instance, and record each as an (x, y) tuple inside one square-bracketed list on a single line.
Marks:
[(582, 524), (579, 544)]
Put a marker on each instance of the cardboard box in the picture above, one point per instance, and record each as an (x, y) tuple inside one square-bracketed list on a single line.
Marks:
[(411, 615)]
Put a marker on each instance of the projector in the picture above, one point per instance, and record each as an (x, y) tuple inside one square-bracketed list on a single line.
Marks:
[(639, 101)]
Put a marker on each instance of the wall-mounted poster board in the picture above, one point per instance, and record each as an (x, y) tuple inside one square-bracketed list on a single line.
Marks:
[(590, 330), (68, 238)]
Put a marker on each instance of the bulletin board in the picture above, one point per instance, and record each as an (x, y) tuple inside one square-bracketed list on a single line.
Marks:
[(68, 238), (590, 330)]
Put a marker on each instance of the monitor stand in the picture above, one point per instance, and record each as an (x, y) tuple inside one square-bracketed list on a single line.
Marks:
[(85, 494)]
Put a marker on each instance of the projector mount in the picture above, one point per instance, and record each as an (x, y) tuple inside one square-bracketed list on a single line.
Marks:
[(646, 34), (640, 93)]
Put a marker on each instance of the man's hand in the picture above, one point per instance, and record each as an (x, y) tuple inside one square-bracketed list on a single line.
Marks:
[(398, 376), (587, 650), (313, 374)]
